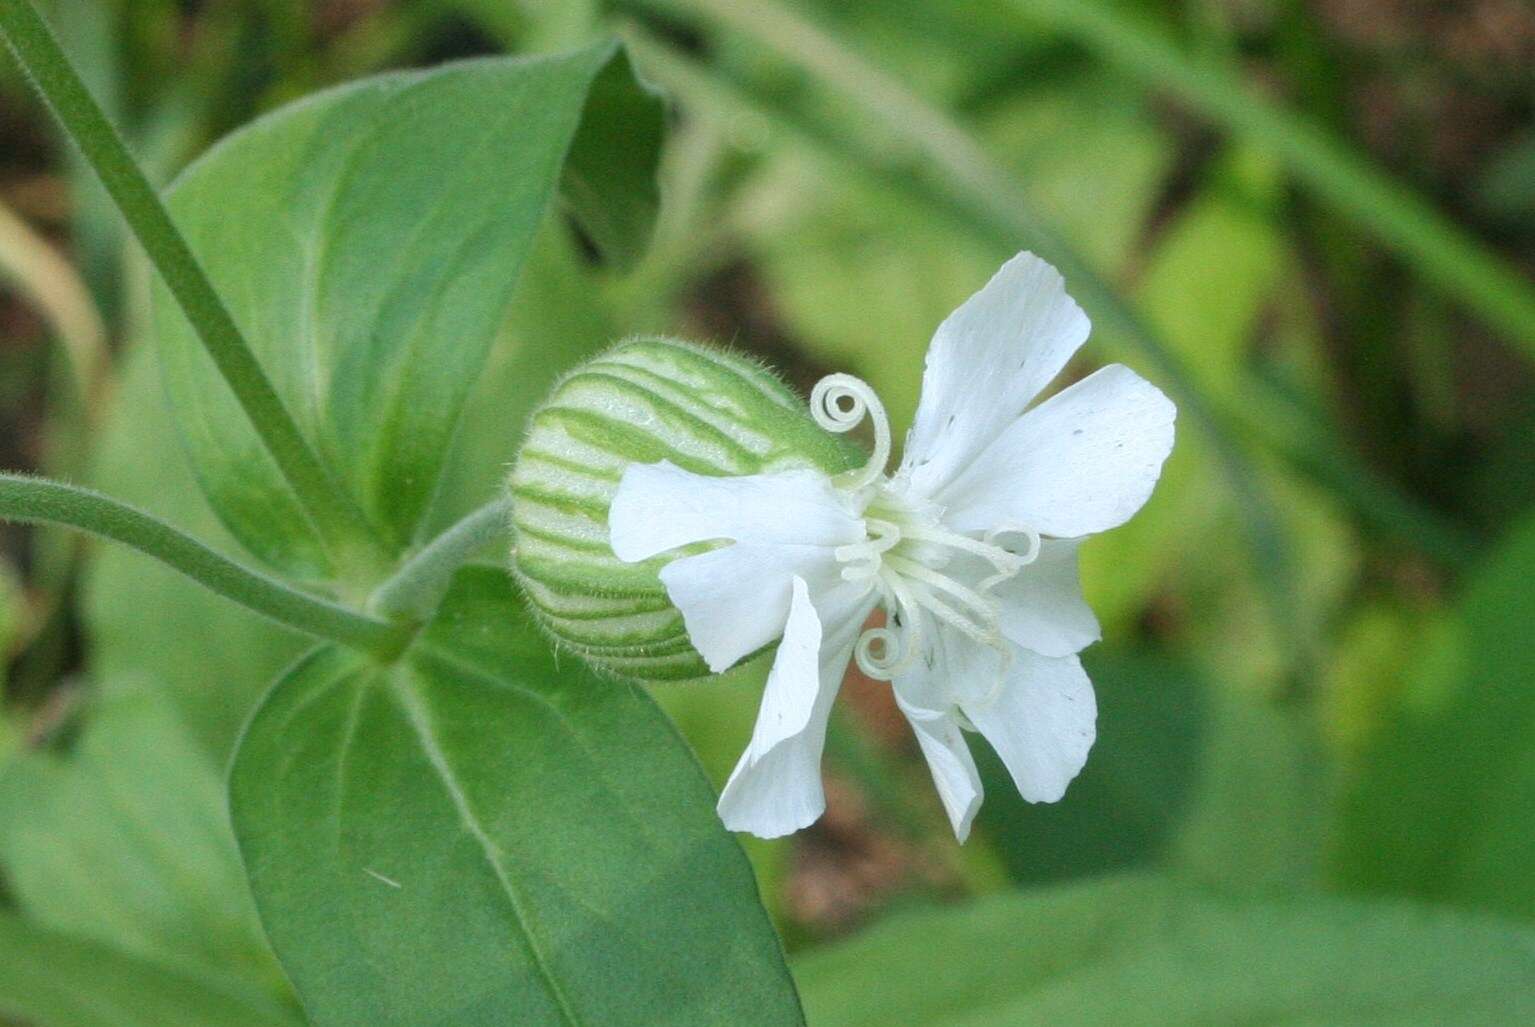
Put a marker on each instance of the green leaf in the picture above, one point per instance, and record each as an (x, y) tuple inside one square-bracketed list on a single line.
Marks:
[(1122, 809), (125, 840), (1440, 805), (555, 320), (1131, 950), (50, 979), (368, 241), (473, 836)]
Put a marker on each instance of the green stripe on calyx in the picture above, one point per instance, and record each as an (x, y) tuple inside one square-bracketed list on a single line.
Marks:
[(645, 400)]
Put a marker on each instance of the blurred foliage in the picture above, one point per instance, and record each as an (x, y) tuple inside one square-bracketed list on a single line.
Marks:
[(1141, 950), (1318, 700)]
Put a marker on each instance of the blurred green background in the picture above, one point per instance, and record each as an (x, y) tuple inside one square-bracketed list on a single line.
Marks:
[(1311, 223)]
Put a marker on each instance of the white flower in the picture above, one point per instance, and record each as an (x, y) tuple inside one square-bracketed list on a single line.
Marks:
[(969, 548)]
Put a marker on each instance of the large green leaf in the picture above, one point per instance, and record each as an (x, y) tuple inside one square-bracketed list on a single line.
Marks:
[(125, 840), (555, 319), (1441, 804), (1146, 952), (49, 979), (368, 241), (476, 836)]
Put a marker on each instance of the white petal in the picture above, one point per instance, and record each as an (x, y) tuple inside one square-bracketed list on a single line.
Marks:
[(952, 766), (776, 787), (735, 600), (1043, 609), (949, 667), (1082, 461), (986, 363), (660, 506), (1041, 722)]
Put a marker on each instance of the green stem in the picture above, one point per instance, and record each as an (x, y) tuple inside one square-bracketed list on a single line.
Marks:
[(418, 586), (39, 501), (339, 522), (1437, 248)]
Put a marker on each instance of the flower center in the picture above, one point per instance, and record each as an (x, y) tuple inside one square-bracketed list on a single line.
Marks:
[(908, 554)]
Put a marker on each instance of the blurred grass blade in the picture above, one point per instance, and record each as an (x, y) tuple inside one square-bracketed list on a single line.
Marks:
[(42, 275), (1437, 248)]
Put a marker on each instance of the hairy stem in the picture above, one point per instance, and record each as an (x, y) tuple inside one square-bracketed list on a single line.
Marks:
[(39, 501), (418, 586), (335, 517)]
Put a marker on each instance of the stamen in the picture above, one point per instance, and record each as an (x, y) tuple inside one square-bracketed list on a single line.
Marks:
[(911, 584), (1006, 563), (907, 611), (866, 554), (977, 619), (826, 407)]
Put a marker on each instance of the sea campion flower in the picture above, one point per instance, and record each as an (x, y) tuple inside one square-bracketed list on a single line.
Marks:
[(676, 512), (968, 549)]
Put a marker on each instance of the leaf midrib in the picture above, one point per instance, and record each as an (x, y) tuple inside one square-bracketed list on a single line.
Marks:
[(420, 720)]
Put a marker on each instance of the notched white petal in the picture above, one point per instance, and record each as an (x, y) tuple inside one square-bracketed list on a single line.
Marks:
[(1081, 462), (661, 506), (1042, 723), (987, 362)]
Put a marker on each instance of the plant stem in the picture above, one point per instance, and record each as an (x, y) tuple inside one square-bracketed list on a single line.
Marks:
[(336, 518), (1435, 246), (39, 501), (418, 586)]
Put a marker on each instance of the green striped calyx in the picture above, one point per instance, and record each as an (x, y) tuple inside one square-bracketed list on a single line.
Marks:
[(645, 400)]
